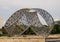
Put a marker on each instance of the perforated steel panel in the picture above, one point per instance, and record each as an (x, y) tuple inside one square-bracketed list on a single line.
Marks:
[(39, 20)]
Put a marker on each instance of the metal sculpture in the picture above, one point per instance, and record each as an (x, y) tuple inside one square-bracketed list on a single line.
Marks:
[(40, 21)]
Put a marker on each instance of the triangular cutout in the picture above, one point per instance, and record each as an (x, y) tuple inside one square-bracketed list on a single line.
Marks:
[(29, 32)]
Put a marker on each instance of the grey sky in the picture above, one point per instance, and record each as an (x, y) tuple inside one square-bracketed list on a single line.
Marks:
[(8, 7)]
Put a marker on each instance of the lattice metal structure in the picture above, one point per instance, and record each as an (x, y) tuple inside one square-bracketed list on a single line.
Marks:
[(40, 21)]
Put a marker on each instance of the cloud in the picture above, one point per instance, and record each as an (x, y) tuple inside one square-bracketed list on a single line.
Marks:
[(30, 3), (8, 7)]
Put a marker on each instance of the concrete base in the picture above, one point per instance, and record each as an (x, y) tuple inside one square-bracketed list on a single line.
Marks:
[(22, 39)]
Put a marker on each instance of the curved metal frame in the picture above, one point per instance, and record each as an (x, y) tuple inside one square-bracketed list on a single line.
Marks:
[(28, 18)]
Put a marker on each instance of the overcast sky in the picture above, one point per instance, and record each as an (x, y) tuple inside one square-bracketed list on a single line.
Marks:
[(8, 7)]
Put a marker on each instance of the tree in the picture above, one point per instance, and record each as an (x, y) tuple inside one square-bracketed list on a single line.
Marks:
[(56, 29)]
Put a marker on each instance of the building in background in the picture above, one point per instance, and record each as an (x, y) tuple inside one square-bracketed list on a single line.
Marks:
[(57, 21), (1, 22)]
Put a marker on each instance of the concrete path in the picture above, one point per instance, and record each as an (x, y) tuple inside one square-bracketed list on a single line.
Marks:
[(52, 39)]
